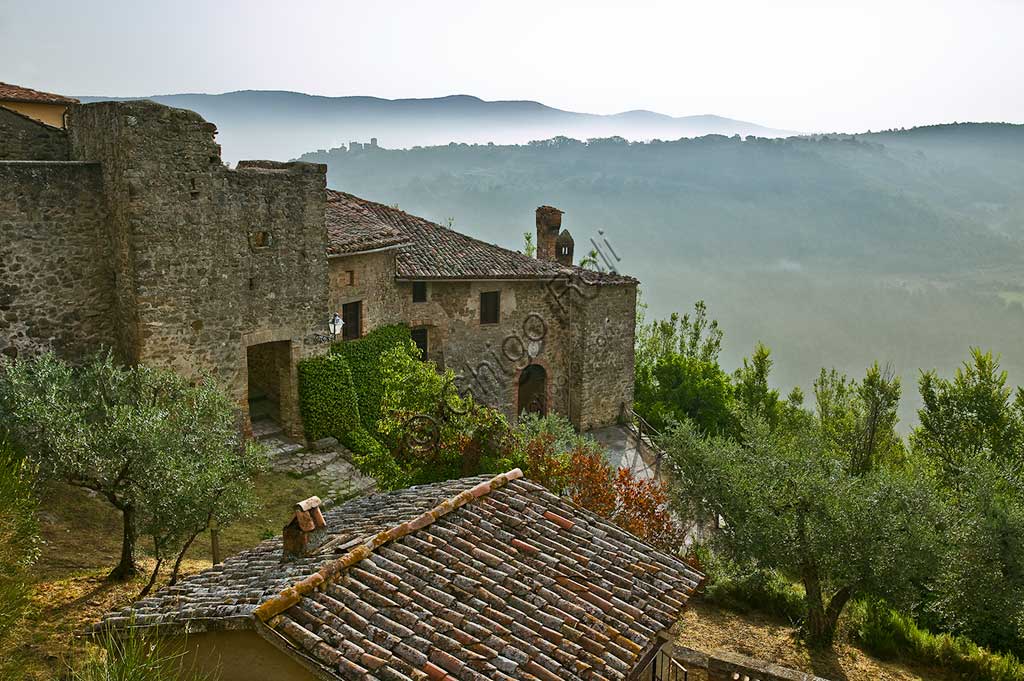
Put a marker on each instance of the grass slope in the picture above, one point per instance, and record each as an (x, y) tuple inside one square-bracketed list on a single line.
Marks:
[(81, 535), (708, 628)]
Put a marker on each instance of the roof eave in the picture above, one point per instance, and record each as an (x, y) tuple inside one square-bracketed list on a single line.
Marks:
[(368, 250)]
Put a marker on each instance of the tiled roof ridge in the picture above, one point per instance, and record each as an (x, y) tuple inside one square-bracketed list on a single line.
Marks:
[(19, 93), (274, 606)]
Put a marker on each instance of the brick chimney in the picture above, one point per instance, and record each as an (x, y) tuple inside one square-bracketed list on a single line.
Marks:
[(563, 248), (306, 531), (549, 222)]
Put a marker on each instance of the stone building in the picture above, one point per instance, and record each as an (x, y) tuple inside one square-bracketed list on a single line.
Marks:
[(520, 333), (127, 231), (140, 239), (44, 107)]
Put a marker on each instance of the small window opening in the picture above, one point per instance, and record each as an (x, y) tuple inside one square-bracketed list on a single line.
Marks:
[(261, 239), (350, 277), (352, 314), (490, 307), (419, 292)]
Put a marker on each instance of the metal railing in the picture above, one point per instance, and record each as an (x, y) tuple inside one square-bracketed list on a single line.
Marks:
[(667, 668), (645, 433)]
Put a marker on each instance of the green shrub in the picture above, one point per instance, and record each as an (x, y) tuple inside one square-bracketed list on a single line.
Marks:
[(340, 396), (135, 656), (327, 397), (363, 358), (747, 588), (888, 634), (373, 459), (19, 540)]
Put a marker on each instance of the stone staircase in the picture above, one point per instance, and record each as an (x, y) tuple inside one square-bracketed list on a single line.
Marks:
[(327, 459)]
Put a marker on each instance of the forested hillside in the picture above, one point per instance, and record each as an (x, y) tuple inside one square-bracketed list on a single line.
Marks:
[(904, 246)]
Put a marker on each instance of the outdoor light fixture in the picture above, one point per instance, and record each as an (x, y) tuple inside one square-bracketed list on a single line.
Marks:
[(336, 325)]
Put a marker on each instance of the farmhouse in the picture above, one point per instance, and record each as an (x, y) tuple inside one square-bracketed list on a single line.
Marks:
[(125, 230), (467, 579)]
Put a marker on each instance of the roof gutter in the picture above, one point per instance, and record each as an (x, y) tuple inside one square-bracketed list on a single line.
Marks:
[(331, 256)]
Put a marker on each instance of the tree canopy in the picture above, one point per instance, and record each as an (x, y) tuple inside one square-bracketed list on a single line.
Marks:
[(164, 451)]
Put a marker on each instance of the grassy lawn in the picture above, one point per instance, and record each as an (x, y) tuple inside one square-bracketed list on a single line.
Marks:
[(708, 628), (82, 542)]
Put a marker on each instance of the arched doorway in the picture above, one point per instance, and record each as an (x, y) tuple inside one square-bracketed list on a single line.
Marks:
[(533, 388)]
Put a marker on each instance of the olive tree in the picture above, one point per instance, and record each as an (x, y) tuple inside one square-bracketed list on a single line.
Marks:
[(791, 501), (165, 451)]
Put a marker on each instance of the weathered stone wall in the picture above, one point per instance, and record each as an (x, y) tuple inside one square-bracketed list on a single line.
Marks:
[(56, 287), (604, 329), (23, 139), (487, 358), (209, 260)]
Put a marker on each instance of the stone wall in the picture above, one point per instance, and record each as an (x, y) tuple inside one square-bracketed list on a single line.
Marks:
[(24, 139), (672, 660), (604, 329), (488, 358), (208, 260), (56, 287)]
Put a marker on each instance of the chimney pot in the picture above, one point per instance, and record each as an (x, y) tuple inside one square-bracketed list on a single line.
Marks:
[(306, 531)]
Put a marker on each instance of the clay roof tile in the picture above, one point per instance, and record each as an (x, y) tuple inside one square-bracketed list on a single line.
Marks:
[(460, 579), (17, 93)]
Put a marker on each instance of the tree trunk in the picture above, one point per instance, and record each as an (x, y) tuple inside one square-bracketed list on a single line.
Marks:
[(127, 568), (822, 621), (181, 556), (152, 579)]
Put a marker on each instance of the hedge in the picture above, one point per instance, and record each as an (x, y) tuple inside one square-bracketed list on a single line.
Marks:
[(340, 396), (327, 397), (889, 634), (363, 358)]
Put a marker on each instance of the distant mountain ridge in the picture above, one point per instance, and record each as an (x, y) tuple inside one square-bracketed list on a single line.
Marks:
[(283, 125)]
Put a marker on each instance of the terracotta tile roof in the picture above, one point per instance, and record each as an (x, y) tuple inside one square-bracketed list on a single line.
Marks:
[(354, 225), (432, 251), (481, 578), (16, 93)]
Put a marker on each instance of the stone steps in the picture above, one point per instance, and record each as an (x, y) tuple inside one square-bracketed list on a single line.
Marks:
[(265, 428), (327, 459)]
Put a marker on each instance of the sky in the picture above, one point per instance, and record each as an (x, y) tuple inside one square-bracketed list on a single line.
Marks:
[(810, 66)]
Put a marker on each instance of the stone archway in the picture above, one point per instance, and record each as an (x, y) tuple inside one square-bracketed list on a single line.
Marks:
[(532, 391)]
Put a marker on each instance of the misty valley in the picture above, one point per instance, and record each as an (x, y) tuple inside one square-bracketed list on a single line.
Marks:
[(904, 246)]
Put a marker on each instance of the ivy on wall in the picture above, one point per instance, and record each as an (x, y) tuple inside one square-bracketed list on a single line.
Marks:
[(340, 396), (363, 358), (327, 397)]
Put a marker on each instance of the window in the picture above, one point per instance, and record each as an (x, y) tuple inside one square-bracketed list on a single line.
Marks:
[(260, 239), (490, 307), (352, 313), (419, 337), (350, 278), (419, 291)]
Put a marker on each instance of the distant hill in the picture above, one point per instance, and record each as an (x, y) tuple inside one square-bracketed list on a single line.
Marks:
[(925, 200), (282, 125)]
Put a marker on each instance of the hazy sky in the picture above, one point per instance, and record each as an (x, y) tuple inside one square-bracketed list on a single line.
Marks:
[(799, 65)]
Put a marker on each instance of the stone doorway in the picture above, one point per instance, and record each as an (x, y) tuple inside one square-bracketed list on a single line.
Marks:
[(533, 388), (272, 390)]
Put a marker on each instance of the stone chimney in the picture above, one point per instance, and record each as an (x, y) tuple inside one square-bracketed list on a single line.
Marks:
[(549, 222), (306, 531), (563, 248)]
